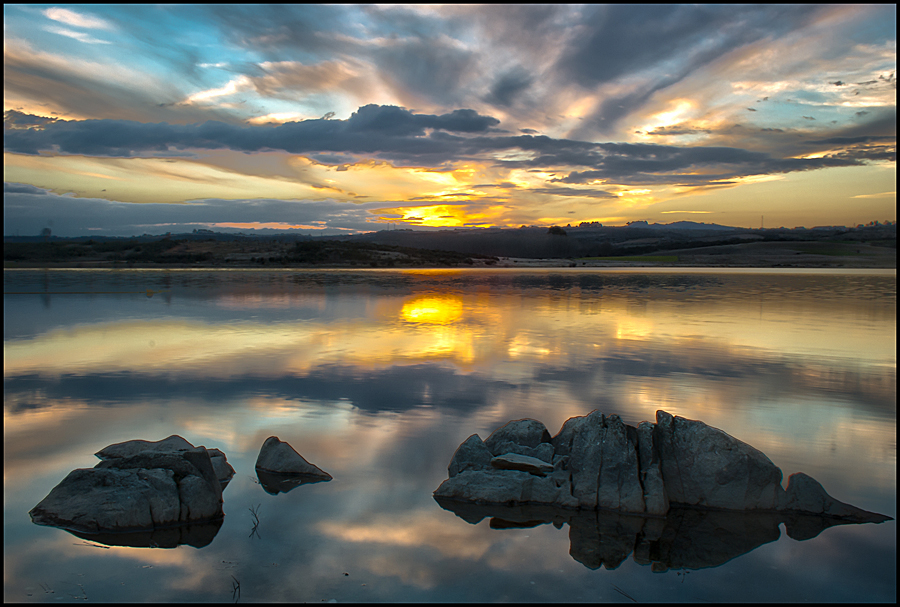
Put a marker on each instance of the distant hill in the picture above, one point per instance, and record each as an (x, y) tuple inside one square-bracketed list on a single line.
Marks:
[(683, 225)]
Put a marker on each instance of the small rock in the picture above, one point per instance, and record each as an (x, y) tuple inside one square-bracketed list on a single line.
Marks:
[(278, 457)]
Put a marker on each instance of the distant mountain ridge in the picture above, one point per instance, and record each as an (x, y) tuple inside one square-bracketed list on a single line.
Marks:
[(681, 225)]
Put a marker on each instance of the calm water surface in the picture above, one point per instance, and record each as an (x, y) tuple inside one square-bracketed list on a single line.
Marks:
[(377, 376)]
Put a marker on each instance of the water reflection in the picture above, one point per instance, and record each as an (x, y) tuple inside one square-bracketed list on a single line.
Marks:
[(686, 538), (197, 536), (283, 483), (800, 365)]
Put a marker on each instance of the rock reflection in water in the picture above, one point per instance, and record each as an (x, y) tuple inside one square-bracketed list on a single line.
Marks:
[(274, 484), (198, 536), (686, 538)]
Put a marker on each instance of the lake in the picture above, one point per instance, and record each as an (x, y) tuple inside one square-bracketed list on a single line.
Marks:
[(377, 376)]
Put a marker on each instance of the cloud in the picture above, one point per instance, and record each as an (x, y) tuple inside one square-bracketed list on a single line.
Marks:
[(370, 129), (585, 193), (644, 49), (431, 69), (22, 188), (399, 136), (27, 210), (70, 17), (509, 87), (80, 36), (881, 195)]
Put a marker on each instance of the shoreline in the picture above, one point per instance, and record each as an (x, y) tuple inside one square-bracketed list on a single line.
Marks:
[(504, 263)]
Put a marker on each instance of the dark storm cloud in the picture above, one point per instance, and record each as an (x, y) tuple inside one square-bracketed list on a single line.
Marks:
[(398, 135), (371, 129)]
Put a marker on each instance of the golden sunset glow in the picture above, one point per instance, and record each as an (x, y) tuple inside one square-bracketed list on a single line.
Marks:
[(432, 310), (367, 131)]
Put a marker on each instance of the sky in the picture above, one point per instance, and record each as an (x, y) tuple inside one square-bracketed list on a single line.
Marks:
[(130, 119)]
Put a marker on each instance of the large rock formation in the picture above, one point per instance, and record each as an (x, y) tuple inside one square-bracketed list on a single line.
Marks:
[(139, 486), (601, 463)]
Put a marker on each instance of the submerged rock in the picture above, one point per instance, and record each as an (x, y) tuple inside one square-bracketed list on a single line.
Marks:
[(277, 457), (601, 463), (166, 484)]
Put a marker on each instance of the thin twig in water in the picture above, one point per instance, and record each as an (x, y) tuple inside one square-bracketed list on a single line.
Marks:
[(235, 589), (623, 593), (255, 513)]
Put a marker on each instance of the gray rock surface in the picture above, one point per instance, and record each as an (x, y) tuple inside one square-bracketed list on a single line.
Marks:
[(139, 486), (704, 466), (133, 447), (277, 457), (174, 443), (493, 486), (806, 494), (656, 501), (619, 486), (522, 432), (472, 454), (514, 461), (143, 491), (601, 463)]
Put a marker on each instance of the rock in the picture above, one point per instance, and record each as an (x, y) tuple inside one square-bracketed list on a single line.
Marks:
[(133, 447), (494, 486), (277, 457), (514, 461), (523, 432), (139, 485), (601, 463), (172, 444), (805, 494), (143, 491), (656, 501), (224, 471), (704, 466), (580, 439), (619, 486), (472, 454), (543, 451)]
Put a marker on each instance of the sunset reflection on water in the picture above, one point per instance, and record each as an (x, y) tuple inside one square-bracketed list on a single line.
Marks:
[(377, 377)]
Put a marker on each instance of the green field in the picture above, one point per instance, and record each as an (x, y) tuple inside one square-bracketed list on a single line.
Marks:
[(659, 258)]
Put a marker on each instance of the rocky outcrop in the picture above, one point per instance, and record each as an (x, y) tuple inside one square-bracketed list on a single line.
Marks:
[(139, 486), (224, 471), (598, 462), (279, 458)]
